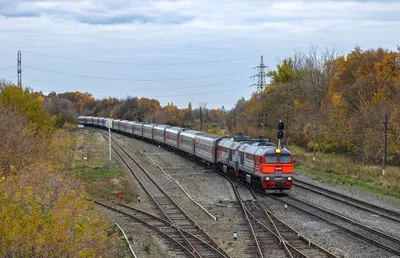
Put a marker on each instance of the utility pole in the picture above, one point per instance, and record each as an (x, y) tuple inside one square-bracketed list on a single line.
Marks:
[(314, 137), (263, 126), (109, 125), (385, 124), (201, 121), (287, 129), (261, 82), (19, 69)]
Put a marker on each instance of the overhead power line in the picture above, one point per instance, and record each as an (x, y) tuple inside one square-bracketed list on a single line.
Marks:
[(184, 95), (6, 53), (136, 63), (133, 88), (127, 79), (5, 68)]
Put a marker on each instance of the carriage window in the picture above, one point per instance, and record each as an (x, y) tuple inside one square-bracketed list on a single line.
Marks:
[(271, 159), (284, 158), (242, 158), (230, 154)]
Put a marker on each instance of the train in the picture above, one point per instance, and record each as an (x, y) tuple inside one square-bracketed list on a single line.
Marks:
[(257, 162)]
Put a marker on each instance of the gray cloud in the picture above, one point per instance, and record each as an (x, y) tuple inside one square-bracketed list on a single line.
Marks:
[(164, 31)]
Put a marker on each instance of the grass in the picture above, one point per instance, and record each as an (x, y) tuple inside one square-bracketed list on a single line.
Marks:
[(340, 170), (97, 173), (100, 181)]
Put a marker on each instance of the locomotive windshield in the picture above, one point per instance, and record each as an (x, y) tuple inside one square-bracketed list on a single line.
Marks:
[(271, 159), (284, 158)]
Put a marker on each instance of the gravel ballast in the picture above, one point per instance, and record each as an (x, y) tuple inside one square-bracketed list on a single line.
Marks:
[(215, 194)]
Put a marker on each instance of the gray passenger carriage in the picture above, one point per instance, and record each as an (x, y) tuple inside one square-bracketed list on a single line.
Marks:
[(122, 126), (148, 131), (82, 119), (115, 124), (95, 121), (129, 127), (172, 136), (138, 129), (159, 133), (101, 122), (186, 140), (89, 120), (206, 146)]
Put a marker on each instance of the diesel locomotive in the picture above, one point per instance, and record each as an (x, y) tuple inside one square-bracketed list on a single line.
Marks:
[(258, 162)]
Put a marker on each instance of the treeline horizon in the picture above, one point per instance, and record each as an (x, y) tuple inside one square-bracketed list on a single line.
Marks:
[(341, 97)]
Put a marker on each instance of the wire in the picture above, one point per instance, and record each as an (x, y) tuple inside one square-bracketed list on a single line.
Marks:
[(9, 78), (5, 68), (136, 89), (153, 64), (5, 53), (184, 95), (125, 79)]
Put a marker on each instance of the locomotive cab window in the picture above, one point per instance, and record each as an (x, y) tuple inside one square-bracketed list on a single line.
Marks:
[(271, 159), (284, 159)]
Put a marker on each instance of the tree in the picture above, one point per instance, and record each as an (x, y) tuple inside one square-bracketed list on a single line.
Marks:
[(313, 75)]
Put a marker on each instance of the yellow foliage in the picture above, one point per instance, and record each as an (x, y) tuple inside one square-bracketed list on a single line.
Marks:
[(39, 203)]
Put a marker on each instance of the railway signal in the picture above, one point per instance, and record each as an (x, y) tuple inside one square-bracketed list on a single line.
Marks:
[(281, 127)]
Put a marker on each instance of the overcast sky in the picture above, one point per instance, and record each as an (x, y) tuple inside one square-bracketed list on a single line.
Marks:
[(167, 49)]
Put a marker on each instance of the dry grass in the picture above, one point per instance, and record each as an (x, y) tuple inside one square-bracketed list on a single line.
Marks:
[(100, 181), (342, 170)]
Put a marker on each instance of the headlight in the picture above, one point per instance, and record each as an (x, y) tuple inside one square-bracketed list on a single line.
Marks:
[(267, 178), (289, 178)]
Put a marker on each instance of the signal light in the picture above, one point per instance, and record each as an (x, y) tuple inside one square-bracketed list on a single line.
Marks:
[(281, 125)]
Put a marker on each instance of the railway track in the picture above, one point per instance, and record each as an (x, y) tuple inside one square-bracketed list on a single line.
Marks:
[(265, 229), (206, 247), (368, 234), (386, 213), (272, 236), (167, 230)]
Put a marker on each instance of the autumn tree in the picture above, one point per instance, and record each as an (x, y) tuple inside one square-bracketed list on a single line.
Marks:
[(43, 212), (313, 75)]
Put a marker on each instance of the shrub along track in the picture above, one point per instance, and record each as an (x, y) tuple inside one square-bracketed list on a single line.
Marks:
[(368, 234), (199, 242), (386, 213)]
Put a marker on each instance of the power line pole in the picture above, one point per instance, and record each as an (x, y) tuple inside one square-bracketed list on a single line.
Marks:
[(261, 82), (314, 137), (201, 121), (385, 124), (19, 71), (263, 126), (287, 129)]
